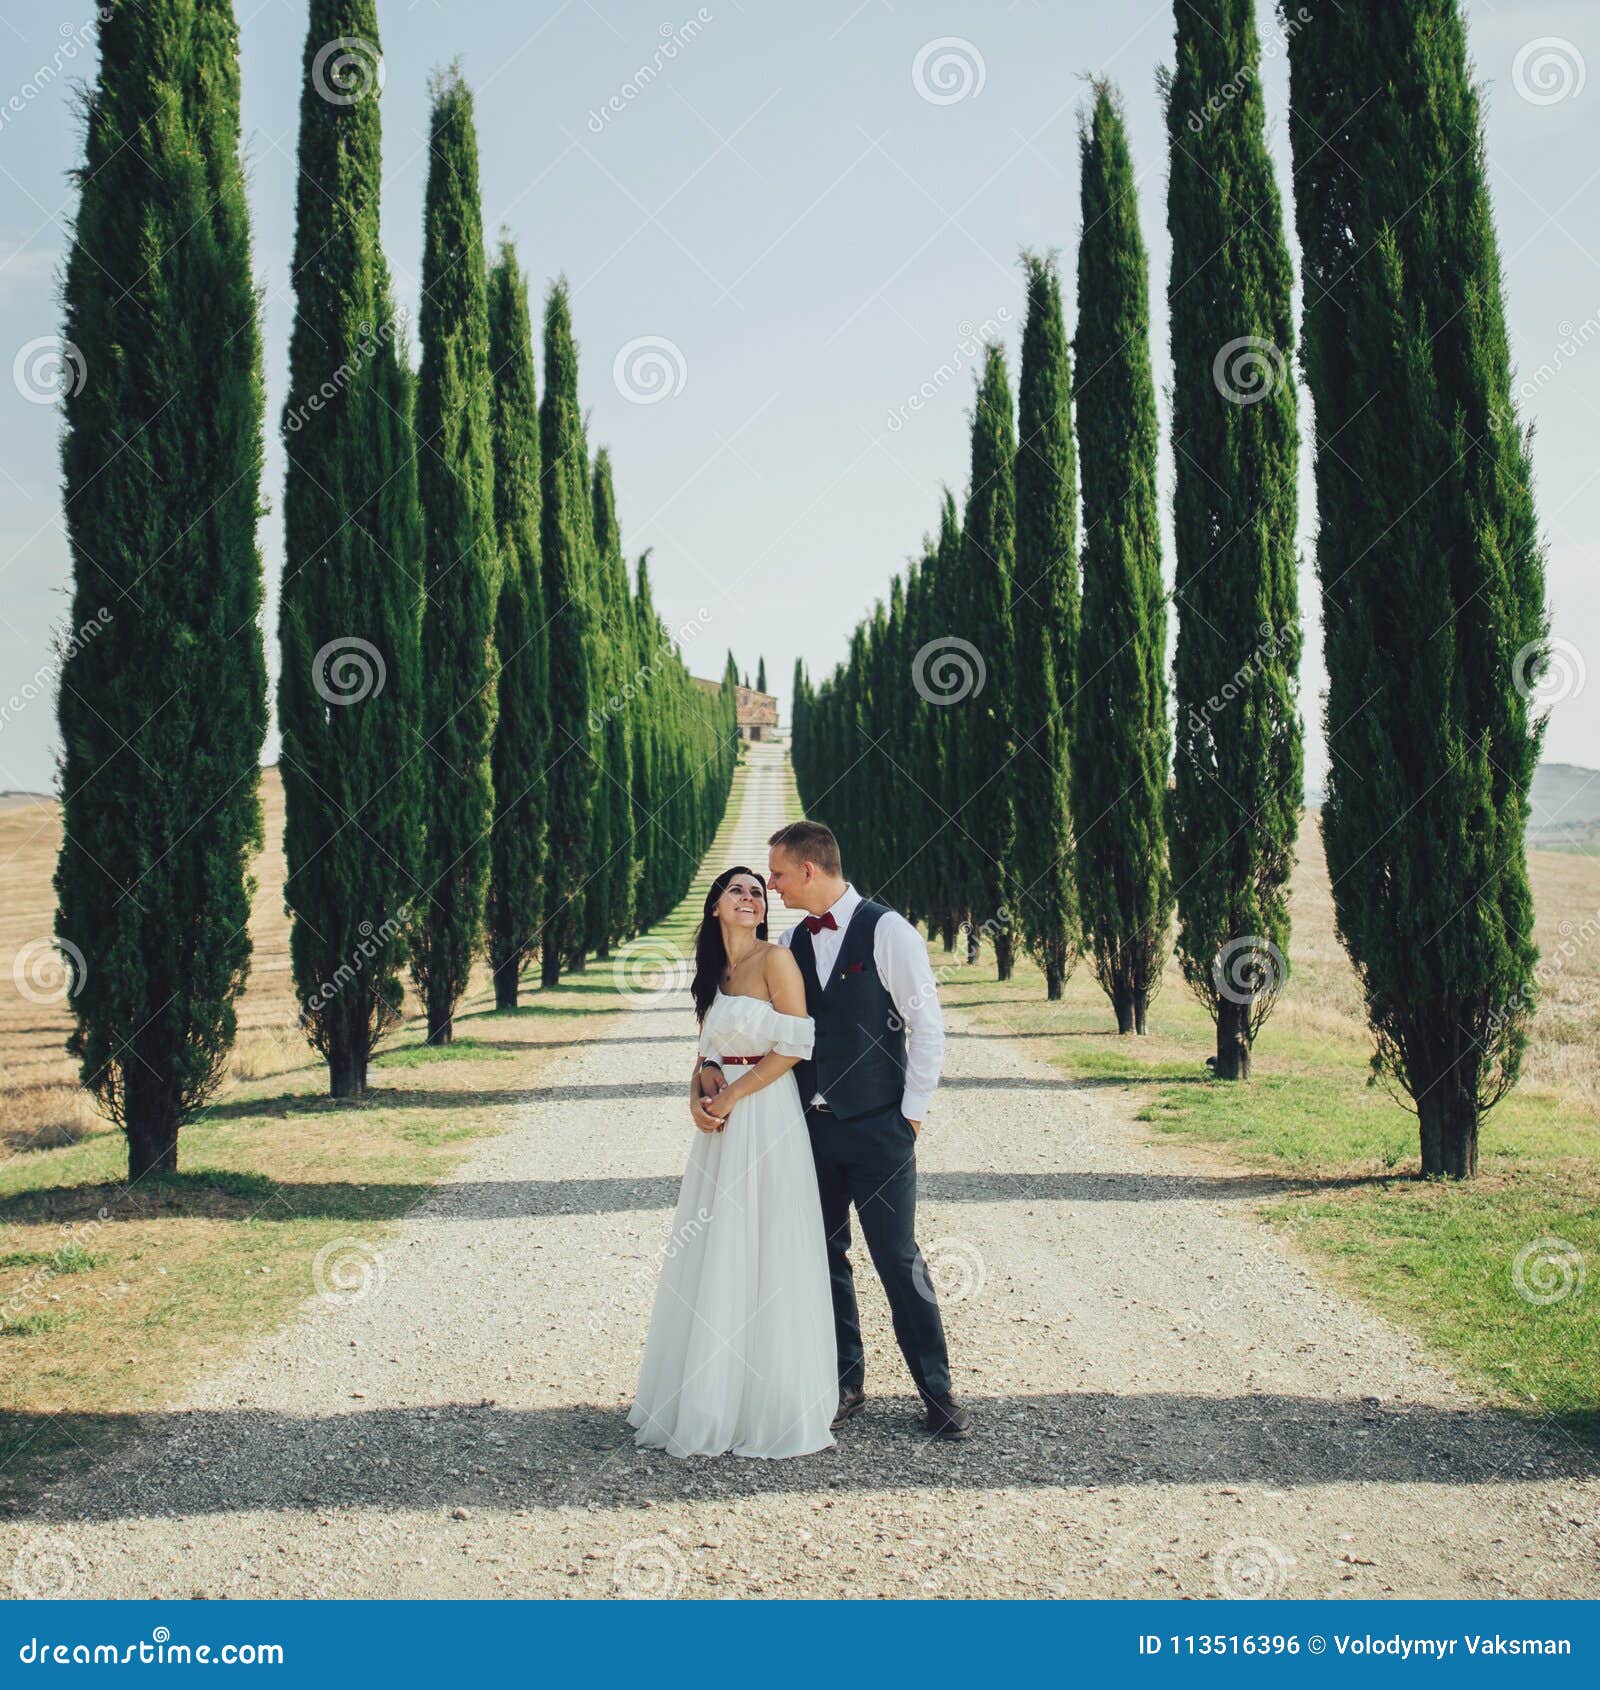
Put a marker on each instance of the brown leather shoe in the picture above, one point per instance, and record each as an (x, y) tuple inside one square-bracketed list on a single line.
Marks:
[(947, 1419), (852, 1399)]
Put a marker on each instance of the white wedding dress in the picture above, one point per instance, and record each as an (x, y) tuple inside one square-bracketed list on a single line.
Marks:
[(740, 1354)]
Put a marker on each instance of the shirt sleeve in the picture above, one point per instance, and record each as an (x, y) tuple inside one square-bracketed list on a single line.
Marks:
[(902, 961)]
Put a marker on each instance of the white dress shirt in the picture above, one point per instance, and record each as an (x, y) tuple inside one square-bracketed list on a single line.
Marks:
[(902, 963)]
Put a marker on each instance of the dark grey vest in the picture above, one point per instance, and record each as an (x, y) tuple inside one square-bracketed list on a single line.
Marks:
[(858, 1059)]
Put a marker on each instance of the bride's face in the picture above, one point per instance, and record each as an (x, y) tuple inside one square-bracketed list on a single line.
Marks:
[(743, 902)]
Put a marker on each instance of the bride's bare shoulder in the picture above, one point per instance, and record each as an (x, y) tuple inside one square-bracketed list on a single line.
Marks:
[(778, 966)]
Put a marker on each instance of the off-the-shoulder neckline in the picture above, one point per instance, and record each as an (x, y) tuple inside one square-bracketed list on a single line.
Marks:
[(746, 997)]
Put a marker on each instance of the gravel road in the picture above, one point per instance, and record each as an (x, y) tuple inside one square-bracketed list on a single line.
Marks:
[(1167, 1403)]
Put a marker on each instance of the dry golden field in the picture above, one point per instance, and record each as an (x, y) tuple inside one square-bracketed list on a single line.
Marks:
[(40, 1104), (1564, 1041)]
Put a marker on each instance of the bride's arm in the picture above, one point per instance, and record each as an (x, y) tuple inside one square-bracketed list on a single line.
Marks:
[(788, 988)]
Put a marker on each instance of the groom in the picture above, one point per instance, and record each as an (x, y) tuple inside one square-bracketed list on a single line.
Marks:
[(866, 1088)]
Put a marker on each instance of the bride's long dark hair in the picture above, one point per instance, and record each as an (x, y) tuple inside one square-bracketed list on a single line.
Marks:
[(710, 954)]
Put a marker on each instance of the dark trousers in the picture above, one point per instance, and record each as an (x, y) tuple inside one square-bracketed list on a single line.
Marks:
[(871, 1161)]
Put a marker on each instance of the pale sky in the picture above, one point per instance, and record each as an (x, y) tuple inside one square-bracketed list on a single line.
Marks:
[(776, 239)]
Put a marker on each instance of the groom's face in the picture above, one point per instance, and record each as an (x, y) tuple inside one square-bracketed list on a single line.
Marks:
[(789, 877)]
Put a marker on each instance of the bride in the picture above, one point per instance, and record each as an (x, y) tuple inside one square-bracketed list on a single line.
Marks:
[(741, 1352)]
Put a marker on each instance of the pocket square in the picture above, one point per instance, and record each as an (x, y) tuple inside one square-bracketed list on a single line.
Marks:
[(851, 968)]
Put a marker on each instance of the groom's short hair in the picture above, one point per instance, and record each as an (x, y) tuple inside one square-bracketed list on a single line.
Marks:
[(811, 842)]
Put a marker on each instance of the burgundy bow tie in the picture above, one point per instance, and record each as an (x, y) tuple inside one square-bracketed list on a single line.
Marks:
[(816, 923)]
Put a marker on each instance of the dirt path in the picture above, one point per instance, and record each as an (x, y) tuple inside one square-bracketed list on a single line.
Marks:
[(1167, 1404)]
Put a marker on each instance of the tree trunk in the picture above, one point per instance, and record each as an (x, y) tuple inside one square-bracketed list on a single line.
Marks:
[(1005, 954), (972, 944), (505, 982), (152, 1145), (549, 967), (1141, 1002), (1449, 1122), (441, 1025), (1233, 1040), (947, 931), (347, 1070), (1055, 977), (1122, 1003)]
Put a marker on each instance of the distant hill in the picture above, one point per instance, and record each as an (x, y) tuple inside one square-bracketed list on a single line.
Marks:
[(1566, 807), (1565, 813)]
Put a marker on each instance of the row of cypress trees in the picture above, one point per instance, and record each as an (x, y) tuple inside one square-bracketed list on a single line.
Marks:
[(1025, 840), (490, 742), (1015, 719)]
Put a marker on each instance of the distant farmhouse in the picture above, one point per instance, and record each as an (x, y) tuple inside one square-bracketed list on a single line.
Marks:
[(758, 711)]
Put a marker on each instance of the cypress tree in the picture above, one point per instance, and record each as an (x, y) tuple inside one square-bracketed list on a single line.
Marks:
[(947, 848), (911, 749), (162, 708), (648, 643), (891, 721), (987, 817), (797, 704), (456, 487), (1119, 780), (567, 543), (1431, 570), (616, 875), (761, 674), (1044, 601), (351, 599), (522, 723), (1238, 775)]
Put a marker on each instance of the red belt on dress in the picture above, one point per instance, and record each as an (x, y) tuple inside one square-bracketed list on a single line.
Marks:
[(728, 1061)]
